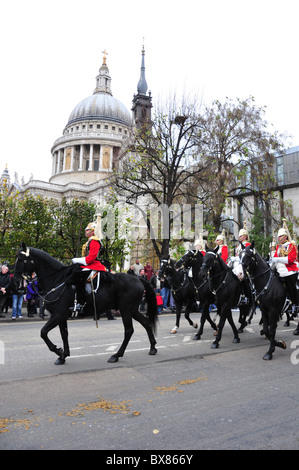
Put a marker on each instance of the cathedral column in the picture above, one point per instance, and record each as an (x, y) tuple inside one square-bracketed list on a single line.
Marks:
[(64, 159), (90, 166), (54, 163), (72, 158), (81, 158), (58, 161)]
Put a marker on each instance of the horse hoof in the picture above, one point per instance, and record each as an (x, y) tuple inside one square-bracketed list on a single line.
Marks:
[(214, 345), (215, 332), (286, 323), (113, 359), (196, 336), (59, 361), (236, 340), (61, 357), (240, 330), (296, 332), (282, 345), (195, 325), (267, 357), (174, 330), (153, 351)]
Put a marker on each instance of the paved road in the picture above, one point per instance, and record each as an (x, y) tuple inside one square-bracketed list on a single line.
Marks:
[(187, 397)]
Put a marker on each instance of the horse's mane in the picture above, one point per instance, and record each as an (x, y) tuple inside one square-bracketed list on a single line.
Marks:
[(44, 256)]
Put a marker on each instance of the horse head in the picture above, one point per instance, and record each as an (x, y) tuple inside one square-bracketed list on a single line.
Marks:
[(166, 267), (24, 264), (186, 260), (209, 261), (248, 257)]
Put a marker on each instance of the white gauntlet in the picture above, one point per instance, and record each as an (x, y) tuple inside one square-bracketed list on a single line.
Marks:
[(283, 259), (79, 260)]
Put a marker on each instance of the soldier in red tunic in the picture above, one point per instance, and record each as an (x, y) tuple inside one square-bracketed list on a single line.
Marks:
[(90, 261), (286, 263)]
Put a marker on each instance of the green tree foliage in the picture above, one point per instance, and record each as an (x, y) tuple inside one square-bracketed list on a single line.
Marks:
[(236, 151)]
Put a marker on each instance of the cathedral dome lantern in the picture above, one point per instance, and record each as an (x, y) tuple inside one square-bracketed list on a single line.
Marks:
[(93, 136)]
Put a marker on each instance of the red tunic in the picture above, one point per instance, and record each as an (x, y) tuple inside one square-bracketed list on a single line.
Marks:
[(288, 249), (223, 252), (91, 261)]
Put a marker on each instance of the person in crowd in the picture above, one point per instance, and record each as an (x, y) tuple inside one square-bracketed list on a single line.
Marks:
[(131, 270), (32, 296), (5, 281), (159, 301), (18, 291), (148, 270), (142, 303), (137, 267)]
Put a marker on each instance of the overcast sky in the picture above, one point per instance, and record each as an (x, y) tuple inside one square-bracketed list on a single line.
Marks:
[(51, 53)]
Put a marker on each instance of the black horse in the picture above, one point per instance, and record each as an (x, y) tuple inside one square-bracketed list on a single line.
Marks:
[(228, 290), (181, 288), (118, 291), (270, 294), (194, 259)]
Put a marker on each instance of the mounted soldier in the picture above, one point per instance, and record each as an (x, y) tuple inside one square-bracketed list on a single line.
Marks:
[(286, 263), (221, 243), (89, 263)]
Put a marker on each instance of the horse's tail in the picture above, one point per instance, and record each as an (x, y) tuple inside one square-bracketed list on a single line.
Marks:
[(152, 310)]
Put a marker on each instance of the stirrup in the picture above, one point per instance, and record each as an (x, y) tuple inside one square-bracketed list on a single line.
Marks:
[(77, 308), (243, 300)]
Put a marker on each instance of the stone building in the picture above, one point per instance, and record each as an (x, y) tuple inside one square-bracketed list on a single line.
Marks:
[(96, 130)]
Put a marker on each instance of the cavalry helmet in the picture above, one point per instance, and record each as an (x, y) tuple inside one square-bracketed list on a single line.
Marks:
[(91, 226), (282, 231)]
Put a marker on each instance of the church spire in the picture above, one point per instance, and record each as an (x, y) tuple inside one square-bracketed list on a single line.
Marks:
[(142, 85), (142, 103), (103, 80)]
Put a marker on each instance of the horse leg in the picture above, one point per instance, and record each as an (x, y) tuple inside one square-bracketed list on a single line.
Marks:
[(215, 344), (233, 326), (187, 315), (64, 336), (50, 325), (178, 309), (129, 330), (242, 319), (145, 323), (205, 316), (273, 342)]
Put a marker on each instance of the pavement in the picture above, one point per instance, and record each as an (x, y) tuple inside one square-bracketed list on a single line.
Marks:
[(36, 317)]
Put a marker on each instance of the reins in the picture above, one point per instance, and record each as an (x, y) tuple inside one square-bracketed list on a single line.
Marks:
[(29, 280), (252, 279)]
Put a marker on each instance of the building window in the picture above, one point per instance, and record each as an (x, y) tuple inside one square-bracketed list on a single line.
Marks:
[(90, 126), (98, 126), (279, 170), (106, 127)]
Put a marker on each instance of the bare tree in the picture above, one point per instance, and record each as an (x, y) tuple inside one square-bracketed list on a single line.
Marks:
[(160, 164), (236, 151)]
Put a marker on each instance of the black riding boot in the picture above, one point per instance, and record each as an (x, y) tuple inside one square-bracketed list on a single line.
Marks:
[(80, 296), (290, 282)]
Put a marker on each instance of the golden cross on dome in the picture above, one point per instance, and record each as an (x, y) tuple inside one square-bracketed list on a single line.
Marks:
[(104, 58)]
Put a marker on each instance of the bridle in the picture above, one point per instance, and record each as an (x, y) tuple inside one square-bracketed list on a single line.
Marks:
[(253, 260), (26, 276)]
